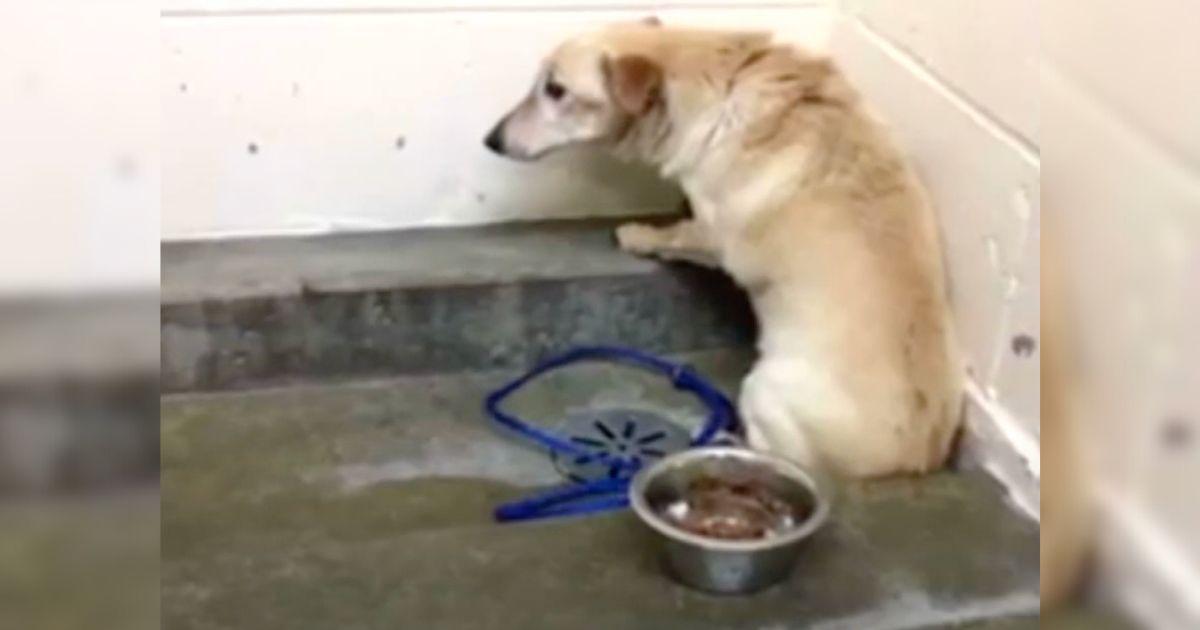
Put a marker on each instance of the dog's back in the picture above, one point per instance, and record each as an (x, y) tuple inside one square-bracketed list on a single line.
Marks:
[(840, 249)]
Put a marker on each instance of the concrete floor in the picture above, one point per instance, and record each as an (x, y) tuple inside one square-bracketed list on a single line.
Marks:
[(88, 561), (367, 505)]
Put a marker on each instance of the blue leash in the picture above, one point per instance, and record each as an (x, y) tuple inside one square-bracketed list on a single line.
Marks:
[(602, 494)]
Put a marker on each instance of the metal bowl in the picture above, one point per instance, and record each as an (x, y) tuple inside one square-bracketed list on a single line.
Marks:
[(721, 565)]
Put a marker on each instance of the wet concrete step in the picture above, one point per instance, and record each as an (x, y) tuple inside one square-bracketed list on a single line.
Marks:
[(1010, 622), (247, 313), (367, 505), (869, 569), (379, 458)]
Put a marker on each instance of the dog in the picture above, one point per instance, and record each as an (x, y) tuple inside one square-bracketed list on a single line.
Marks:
[(800, 195)]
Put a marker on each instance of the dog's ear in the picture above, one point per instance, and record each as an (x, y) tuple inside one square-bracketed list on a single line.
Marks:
[(633, 81)]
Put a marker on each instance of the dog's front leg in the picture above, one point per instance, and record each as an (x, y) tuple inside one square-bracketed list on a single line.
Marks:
[(685, 240)]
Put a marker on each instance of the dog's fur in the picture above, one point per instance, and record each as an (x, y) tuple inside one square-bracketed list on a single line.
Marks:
[(1068, 536), (801, 196)]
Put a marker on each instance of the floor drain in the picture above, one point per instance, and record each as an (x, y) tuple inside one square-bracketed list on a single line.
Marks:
[(624, 433)]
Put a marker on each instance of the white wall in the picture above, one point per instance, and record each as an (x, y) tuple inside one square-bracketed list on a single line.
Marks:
[(324, 89), (79, 167)]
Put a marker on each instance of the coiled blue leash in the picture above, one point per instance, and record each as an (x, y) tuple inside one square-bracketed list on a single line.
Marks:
[(602, 494)]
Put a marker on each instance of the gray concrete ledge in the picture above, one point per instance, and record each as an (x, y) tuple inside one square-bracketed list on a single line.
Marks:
[(254, 312)]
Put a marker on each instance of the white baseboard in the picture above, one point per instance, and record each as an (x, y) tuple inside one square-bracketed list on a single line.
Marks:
[(1144, 568), (996, 441)]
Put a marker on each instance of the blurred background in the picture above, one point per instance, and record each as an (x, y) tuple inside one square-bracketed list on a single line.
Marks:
[(1121, 190), (79, 188), (127, 123)]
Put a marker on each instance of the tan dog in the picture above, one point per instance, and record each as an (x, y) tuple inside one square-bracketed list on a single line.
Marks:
[(803, 199)]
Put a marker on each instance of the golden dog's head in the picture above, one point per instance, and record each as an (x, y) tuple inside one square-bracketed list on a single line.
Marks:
[(652, 92), (589, 89)]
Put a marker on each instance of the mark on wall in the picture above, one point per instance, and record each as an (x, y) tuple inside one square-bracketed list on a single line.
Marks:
[(1022, 205), (30, 83), (125, 167), (1176, 433), (992, 244), (1023, 345), (252, 148)]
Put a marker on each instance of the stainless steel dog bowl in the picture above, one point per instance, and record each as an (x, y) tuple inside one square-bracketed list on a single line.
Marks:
[(721, 565)]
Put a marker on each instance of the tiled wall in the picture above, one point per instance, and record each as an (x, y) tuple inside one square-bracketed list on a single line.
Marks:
[(286, 116)]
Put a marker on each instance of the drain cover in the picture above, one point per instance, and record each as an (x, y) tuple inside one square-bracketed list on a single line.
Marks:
[(624, 433)]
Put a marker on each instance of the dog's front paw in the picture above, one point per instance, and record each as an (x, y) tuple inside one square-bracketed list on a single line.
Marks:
[(637, 238)]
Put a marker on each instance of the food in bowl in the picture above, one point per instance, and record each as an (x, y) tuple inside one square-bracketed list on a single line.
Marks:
[(764, 506), (732, 509)]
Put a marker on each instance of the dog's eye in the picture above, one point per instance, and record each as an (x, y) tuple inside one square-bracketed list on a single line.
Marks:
[(555, 90)]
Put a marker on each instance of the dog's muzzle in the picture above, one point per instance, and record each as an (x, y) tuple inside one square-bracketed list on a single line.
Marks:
[(495, 139)]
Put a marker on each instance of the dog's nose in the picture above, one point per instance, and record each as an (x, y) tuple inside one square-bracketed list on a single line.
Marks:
[(495, 139)]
